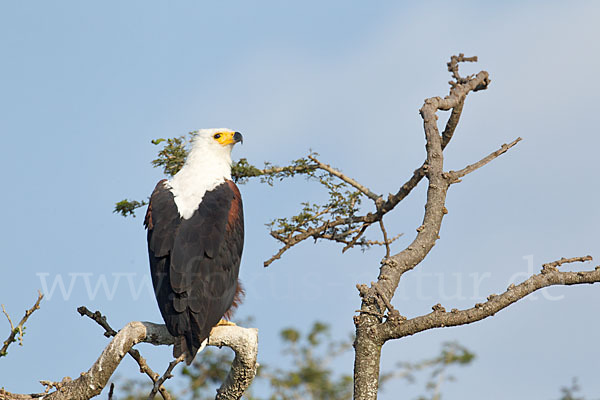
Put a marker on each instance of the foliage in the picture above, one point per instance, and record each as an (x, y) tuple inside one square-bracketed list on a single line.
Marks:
[(315, 219), (173, 154), (310, 376), (452, 354), (304, 371), (18, 332), (127, 207), (569, 393)]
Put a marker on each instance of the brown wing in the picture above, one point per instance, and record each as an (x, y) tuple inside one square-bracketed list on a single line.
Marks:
[(195, 262)]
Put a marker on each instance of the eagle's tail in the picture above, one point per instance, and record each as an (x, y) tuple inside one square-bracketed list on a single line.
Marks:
[(188, 346)]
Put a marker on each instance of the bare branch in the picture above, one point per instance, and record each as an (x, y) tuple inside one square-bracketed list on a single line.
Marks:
[(335, 172), (453, 67), (4, 395), (563, 260), (383, 243), (452, 123), (367, 345), (291, 168), (243, 341), (167, 375), (384, 299), (111, 391), (455, 176), (479, 82), (385, 238), (134, 353), (440, 318), (99, 318), (18, 330), (12, 327), (350, 244)]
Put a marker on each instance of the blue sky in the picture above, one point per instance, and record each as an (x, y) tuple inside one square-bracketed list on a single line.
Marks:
[(86, 86)]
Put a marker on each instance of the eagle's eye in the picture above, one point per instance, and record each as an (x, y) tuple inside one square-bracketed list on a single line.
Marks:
[(217, 135)]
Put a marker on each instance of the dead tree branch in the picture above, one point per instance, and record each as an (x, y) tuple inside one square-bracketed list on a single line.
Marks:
[(243, 341), (454, 176), (167, 375), (18, 330), (549, 276), (368, 343), (372, 330), (135, 354)]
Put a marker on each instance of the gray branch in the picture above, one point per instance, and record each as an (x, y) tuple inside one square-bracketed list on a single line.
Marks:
[(243, 341), (395, 328)]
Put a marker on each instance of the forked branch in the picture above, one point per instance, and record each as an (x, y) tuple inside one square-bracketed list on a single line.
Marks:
[(134, 353), (549, 276), (243, 341), (17, 331)]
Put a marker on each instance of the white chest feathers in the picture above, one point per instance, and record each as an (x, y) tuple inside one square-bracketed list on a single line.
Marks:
[(200, 174), (188, 198)]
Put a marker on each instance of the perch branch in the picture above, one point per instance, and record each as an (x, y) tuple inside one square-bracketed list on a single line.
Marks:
[(135, 354), (243, 341)]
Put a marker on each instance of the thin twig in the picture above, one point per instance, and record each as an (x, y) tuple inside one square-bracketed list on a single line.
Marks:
[(167, 375), (381, 243), (384, 298), (14, 330), (111, 391), (563, 260), (346, 179), (385, 238), (355, 238), (292, 168), (12, 327), (455, 176)]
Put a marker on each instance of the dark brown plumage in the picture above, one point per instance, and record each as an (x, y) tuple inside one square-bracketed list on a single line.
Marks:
[(195, 262)]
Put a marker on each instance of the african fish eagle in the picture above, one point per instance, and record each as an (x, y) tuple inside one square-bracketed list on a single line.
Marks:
[(195, 229)]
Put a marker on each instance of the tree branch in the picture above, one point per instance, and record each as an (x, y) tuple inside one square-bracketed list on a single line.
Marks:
[(549, 276), (454, 176), (243, 341), (335, 172), (18, 330), (367, 344), (167, 375), (135, 354)]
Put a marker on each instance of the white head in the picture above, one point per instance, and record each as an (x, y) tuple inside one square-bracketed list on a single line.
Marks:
[(216, 142), (208, 164)]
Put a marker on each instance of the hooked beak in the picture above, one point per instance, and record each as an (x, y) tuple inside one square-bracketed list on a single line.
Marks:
[(237, 137)]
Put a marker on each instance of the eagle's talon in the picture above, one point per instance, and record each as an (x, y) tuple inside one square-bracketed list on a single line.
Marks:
[(224, 322)]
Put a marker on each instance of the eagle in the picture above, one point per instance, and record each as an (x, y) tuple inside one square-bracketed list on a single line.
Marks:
[(195, 227)]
